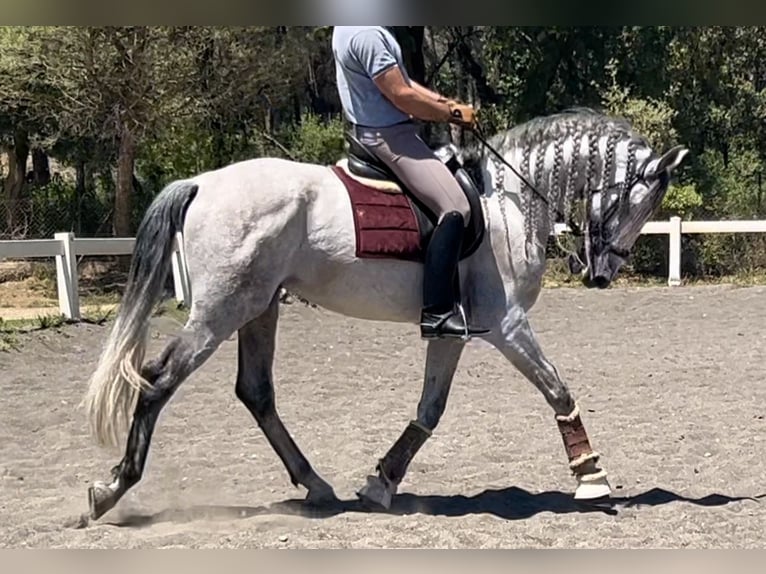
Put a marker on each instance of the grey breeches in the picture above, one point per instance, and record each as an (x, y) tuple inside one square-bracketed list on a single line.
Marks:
[(408, 156)]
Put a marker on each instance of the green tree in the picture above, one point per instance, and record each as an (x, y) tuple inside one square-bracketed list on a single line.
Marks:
[(114, 85)]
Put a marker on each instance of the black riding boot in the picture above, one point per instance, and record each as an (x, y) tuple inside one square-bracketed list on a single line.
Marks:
[(441, 316)]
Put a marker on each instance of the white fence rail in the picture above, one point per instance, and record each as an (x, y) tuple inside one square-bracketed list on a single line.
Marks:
[(675, 228), (65, 247)]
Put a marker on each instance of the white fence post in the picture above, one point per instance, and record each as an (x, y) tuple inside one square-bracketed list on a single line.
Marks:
[(66, 277), (674, 255), (180, 273)]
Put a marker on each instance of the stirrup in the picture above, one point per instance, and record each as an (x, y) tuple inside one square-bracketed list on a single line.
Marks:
[(466, 336), (440, 321)]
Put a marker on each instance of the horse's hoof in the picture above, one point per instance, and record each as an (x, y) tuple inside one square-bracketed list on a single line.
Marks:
[(101, 499), (376, 494), (593, 486), (321, 494)]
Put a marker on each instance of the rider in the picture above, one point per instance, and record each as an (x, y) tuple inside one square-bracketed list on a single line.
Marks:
[(380, 101)]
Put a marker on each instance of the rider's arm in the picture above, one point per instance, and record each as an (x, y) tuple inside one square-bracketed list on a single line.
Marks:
[(380, 64), (426, 92), (417, 103)]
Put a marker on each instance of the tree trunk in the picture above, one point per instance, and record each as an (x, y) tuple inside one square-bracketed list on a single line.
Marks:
[(410, 40), (41, 171), (79, 195), (219, 143), (207, 67), (485, 92), (13, 186), (124, 195)]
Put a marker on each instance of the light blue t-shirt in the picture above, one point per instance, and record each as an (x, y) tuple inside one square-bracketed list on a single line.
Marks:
[(361, 53)]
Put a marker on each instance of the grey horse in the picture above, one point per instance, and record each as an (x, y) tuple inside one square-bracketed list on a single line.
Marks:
[(257, 226)]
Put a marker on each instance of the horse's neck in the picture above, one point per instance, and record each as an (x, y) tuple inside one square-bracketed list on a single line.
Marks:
[(542, 168)]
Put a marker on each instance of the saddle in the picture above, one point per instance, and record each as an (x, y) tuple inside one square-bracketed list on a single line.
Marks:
[(365, 169)]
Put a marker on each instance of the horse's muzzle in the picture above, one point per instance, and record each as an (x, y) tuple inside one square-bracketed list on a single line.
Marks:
[(601, 272)]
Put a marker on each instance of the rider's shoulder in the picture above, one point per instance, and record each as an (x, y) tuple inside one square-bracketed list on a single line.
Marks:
[(362, 35)]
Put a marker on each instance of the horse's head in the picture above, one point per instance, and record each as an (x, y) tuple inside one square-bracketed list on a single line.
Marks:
[(616, 215), (587, 158)]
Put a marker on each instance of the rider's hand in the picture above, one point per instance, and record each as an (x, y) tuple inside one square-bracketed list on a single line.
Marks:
[(462, 115)]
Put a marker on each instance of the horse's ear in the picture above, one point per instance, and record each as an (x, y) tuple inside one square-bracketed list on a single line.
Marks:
[(669, 161)]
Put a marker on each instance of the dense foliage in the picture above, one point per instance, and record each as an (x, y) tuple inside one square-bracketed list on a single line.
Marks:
[(94, 121)]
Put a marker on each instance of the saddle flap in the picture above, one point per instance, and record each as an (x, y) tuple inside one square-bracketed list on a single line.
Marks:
[(366, 169), (363, 164)]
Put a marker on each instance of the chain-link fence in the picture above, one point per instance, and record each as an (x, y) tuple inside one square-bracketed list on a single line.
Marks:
[(40, 217)]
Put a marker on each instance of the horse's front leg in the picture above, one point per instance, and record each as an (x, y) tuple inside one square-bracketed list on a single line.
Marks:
[(517, 342), (442, 358)]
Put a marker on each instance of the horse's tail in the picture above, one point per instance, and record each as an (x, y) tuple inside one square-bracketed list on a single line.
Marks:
[(117, 382)]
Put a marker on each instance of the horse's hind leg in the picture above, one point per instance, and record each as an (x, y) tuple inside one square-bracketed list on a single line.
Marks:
[(255, 388), (180, 357), (442, 358), (516, 341)]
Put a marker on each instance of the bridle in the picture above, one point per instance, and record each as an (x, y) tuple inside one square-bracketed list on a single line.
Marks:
[(575, 228)]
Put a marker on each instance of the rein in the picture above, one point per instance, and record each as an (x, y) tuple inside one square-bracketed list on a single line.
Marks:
[(576, 231)]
